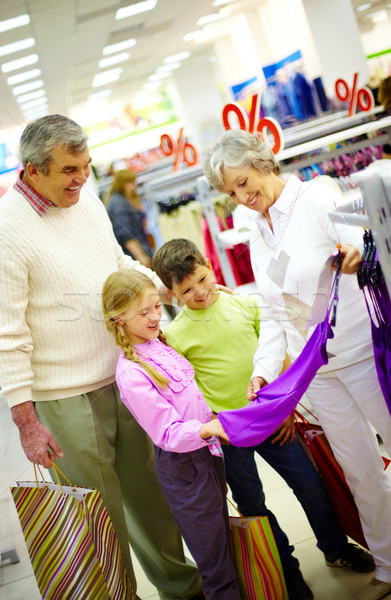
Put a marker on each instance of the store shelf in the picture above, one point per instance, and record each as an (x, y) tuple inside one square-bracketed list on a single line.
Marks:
[(326, 125), (321, 144)]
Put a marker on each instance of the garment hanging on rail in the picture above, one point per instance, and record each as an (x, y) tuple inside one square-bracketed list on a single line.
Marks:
[(183, 222), (371, 281)]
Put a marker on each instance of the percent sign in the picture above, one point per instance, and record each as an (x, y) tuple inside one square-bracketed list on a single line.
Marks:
[(180, 148), (362, 97), (247, 122)]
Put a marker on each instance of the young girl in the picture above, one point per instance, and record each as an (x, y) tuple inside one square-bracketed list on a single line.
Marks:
[(157, 386)]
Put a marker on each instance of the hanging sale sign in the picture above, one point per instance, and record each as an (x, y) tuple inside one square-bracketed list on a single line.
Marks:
[(357, 97), (180, 149), (266, 127)]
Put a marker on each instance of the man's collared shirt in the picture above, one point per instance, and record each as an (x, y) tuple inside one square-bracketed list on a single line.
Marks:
[(34, 198)]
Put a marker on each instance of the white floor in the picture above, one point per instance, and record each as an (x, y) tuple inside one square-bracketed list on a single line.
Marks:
[(17, 581)]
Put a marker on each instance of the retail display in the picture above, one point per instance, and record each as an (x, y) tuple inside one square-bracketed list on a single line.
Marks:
[(371, 281)]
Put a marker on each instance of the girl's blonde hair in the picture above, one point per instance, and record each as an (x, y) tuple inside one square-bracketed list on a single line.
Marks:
[(122, 290)]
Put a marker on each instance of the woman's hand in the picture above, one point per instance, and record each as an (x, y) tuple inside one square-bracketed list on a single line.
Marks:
[(351, 259), (214, 427), (255, 384)]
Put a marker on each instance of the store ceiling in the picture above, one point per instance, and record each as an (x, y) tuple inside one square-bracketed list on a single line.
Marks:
[(70, 37)]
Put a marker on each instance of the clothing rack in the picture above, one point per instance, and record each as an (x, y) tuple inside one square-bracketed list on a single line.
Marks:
[(375, 187), (320, 145), (176, 183)]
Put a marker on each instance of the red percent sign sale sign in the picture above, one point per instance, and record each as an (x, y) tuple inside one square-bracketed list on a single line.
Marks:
[(251, 122)]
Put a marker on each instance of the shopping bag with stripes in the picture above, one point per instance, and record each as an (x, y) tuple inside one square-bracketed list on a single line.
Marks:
[(256, 558), (71, 541)]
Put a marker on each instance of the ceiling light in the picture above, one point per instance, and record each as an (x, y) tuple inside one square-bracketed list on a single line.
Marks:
[(27, 87), (101, 94), (175, 57), (113, 60), (14, 23), (378, 17), (14, 79), (106, 77), (35, 110), (158, 76), (36, 116), (16, 46), (36, 102), (208, 19), (135, 9), (166, 68), (30, 96), (222, 2), (189, 37), (13, 65), (112, 48), (363, 7), (152, 86)]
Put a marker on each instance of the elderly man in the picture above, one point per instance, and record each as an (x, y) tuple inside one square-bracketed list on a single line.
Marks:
[(57, 360)]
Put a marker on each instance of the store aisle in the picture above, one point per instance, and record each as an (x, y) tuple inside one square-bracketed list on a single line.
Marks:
[(17, 581)]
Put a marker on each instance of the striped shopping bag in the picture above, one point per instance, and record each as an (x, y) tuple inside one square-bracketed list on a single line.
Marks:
[(256, 559), (71, 541)]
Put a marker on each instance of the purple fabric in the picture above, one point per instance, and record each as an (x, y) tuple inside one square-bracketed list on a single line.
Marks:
[(381, 335), (252, 424)]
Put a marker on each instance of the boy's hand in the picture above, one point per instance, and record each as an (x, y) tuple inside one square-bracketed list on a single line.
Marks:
[(214, 427), (285, 432), (255, 384)]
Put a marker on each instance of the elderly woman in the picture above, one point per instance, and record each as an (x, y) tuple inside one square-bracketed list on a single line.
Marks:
[(291, 242)]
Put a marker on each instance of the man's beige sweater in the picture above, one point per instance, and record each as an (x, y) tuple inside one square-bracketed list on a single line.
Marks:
[(53, 341)]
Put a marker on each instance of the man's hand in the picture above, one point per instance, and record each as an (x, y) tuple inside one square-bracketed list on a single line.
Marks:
[(255, 384), (214, 427), (285, 432), (38, 444)]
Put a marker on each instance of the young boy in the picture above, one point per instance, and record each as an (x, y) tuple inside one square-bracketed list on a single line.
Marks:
[(218, 333)]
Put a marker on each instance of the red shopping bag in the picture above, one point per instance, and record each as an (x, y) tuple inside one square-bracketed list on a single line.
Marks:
[(319, 451)]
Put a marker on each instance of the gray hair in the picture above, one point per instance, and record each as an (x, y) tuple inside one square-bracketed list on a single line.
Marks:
[(238, 148), (43, 135)]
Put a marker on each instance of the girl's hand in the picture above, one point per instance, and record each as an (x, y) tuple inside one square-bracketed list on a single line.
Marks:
[(255, 384), (214, 427), (351, 259)]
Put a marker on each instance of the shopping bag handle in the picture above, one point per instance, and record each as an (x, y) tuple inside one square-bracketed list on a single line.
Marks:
[(56, 470), (232, 504), (238, 511)]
